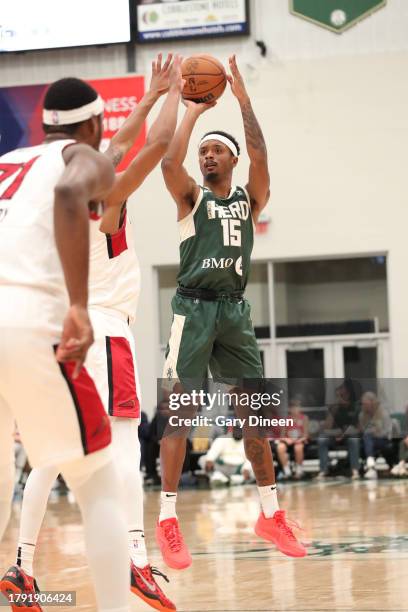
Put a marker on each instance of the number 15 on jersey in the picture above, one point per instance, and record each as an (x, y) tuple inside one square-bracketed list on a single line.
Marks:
[(231, 229)]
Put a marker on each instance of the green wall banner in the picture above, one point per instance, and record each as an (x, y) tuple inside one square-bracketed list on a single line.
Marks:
[(336, 15)]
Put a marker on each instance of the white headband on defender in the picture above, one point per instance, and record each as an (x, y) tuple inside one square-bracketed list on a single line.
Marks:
[(68, 117), (224, 139)]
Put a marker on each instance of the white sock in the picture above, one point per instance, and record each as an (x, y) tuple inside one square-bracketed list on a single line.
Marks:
[(167, 505), (286, 470), (137, 547), (269, 500)]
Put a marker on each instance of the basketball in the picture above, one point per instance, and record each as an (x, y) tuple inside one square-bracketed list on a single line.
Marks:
[(205, 78)]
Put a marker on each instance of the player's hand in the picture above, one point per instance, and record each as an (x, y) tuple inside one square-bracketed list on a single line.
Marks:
[(159, 83), (77, 337), (236, 81), (176, 81), (198, 108)]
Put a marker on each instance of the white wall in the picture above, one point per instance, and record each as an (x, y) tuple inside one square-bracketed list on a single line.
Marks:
[(331, 302), (46, 66), (257, 294), (334, 112)]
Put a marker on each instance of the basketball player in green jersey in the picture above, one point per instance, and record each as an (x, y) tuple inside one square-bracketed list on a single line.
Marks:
[(211, 319)]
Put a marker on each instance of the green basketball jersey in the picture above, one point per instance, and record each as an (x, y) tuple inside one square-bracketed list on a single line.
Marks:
[(216, 241)]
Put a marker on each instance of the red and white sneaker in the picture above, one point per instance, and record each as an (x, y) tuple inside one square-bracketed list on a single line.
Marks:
[(20, 590), (171, 542), (278, 531), (143, 584)]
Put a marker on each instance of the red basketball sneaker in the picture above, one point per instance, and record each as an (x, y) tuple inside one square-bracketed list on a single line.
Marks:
[(143, 584), (20, 590), (278, 531), (173, 548)]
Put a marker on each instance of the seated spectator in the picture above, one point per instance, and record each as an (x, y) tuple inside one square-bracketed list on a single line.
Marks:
[(401, 468), (340, 427), (375, 425), (292, 443), (226, 462)]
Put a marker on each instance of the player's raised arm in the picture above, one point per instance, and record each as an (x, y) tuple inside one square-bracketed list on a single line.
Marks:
[(157, 143), (124, 138), (88, 176), (182, 187), (259, 181)]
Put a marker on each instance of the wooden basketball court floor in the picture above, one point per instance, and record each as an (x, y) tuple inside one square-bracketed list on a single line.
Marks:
[(358, 550)]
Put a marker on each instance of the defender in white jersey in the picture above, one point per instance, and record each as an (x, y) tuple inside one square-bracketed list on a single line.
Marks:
[(114, 285), (33, 295), (114, 291), (45, 333)]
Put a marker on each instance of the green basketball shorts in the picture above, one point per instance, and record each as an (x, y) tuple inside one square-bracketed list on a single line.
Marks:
[(218, 334)]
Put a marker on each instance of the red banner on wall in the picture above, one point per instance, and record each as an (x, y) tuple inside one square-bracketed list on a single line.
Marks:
[(121, 97), (21, 110)]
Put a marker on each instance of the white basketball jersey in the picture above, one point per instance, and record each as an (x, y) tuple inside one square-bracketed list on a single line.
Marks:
[(114, 273), (32, 287)]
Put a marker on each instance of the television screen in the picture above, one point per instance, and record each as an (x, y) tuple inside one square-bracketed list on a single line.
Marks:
[(46, 24), (182, 19)]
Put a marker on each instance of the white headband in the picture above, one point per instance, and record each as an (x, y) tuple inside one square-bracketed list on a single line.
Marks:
[(68, 117), (224, 139)]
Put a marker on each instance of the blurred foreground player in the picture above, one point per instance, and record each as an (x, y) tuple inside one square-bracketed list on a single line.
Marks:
[(45, 333), (114, 287), (211, 319)]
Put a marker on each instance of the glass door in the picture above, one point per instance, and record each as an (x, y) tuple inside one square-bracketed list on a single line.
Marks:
[(306, 365), (309, 364), (362, 358)]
